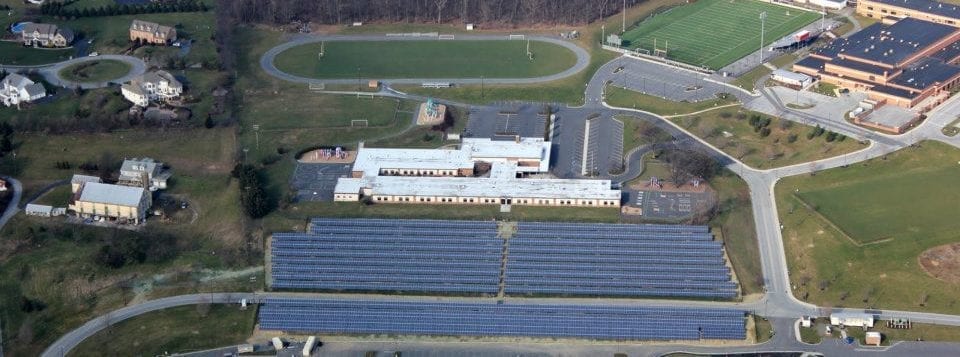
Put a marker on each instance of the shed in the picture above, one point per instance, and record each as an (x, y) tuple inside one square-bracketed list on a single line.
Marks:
[(851, 319), (38, 210), (469, 27), (791, 78), (873, 338), (806, 321), (615, 40)]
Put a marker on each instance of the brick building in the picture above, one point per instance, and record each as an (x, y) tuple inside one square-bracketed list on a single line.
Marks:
[(151, 32)]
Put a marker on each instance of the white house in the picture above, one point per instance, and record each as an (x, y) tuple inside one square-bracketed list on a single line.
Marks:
[(152, 86), (16, 89), (136, 172)]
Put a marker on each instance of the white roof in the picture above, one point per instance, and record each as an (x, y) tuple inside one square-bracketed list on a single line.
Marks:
[(371, 160), (526, 148), (481, 187), (35, 208), (84, 178), (799, 77), (111, 194)]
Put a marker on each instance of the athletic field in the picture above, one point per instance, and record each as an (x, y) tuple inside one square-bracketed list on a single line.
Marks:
[(715, 33), (426, 59)]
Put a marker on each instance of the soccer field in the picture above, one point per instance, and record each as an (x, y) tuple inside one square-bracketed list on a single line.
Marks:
[(715, 33)]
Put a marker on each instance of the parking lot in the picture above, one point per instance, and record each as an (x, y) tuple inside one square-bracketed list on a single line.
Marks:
[(665, 81), (668, 205), (315, 182), (508, 119)]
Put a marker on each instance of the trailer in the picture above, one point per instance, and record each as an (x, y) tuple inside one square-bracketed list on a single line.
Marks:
[(308, 347)]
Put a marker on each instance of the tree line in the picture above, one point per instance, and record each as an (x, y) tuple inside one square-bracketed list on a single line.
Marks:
[(60, 9), (503, 12)]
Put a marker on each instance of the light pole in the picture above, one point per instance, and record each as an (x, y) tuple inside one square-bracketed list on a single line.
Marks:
[(763, 19)]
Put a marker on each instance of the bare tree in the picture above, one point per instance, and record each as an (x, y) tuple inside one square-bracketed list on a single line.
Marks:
[(440, 4)]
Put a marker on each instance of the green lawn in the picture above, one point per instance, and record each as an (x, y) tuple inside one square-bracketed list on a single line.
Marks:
[(924, 332), (825, 89), (715, 33), (895, 200), (626, 98), (763, 329), (729, 130), (95, 71), (58, 197), (734, 222), (425, 59), (173, 330), (637, 132), (12, 53)]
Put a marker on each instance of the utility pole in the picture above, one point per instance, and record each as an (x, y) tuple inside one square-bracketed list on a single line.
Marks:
[(823, 18), (603, 33), (763, 20), (481, 87), (358, 78)]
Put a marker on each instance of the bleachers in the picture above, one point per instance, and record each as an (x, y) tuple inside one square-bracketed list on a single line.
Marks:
[(488, 319), (616, 260)]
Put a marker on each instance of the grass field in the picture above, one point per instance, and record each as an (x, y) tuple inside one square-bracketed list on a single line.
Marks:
[(425, 59), (895, 203), (715, 33), (96, 71), (729, 130), (626, 98), (12, 53), (161, 332)]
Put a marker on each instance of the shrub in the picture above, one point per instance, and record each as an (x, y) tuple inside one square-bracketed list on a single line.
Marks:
[(791, 138), (764, 132)]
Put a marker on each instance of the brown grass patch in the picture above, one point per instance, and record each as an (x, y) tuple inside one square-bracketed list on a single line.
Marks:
[(942, 262)]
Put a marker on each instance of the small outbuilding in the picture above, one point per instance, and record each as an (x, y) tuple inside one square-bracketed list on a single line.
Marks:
[(851, 319), (792, 79), (873, 338)]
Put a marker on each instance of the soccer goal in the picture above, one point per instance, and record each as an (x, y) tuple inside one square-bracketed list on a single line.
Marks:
[(445, 37), (317, 86), (359, 123), (517, 37)]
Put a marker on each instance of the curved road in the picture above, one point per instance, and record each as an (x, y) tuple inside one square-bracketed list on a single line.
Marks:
[(778, 302), (266, 61), (14, 206), (51, 72)]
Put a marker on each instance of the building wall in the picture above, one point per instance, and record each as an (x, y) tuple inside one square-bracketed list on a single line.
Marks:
[(878, 11), (475, 200), (148, 37), (86, 209)]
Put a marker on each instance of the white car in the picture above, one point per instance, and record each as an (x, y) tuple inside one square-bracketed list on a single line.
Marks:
[(93, 54)]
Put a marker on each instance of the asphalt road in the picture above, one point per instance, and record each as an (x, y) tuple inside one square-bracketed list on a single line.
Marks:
[(266, 61), (51, 72), (778, 302), (14, 206)]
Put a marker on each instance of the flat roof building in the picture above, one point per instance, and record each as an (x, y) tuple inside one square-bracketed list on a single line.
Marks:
[(911, 63), (927, 10), (448, 176)]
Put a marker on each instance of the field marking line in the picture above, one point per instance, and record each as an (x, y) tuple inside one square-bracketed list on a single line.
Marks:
[(754, 38), (833, 225)]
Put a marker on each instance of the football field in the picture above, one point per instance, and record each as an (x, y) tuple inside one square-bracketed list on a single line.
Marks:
[(715, 33)]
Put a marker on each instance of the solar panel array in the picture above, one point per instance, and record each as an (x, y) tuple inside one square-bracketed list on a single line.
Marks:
[(461, 257), (487, 319), (617, 260)]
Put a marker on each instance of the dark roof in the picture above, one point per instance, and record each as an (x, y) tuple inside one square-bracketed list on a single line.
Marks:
[(925, 73), (947, 54), (811, 62), (860, 66), (895, 91), (893, 44), (928, 6)]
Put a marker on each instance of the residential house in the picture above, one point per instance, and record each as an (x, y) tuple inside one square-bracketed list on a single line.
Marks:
[(114, 202), (46, 35), (3, 185), (151, 32), (147, 173), (16, 89), (152, 86)]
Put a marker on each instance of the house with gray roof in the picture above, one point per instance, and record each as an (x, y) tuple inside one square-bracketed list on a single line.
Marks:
[(151, 87), (16, 89), (46, 35)]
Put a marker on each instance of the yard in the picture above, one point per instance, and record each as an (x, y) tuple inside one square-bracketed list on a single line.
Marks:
[(13, 53), (626, 98), (854, 235), (95, 71), (52, 263), (162, 332), (715, 33), (786, 144), (425, 59)]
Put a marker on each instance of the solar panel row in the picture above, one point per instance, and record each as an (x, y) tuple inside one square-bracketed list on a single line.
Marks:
[(614, 236), (378, 222), (554, 226), (572, 321)]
